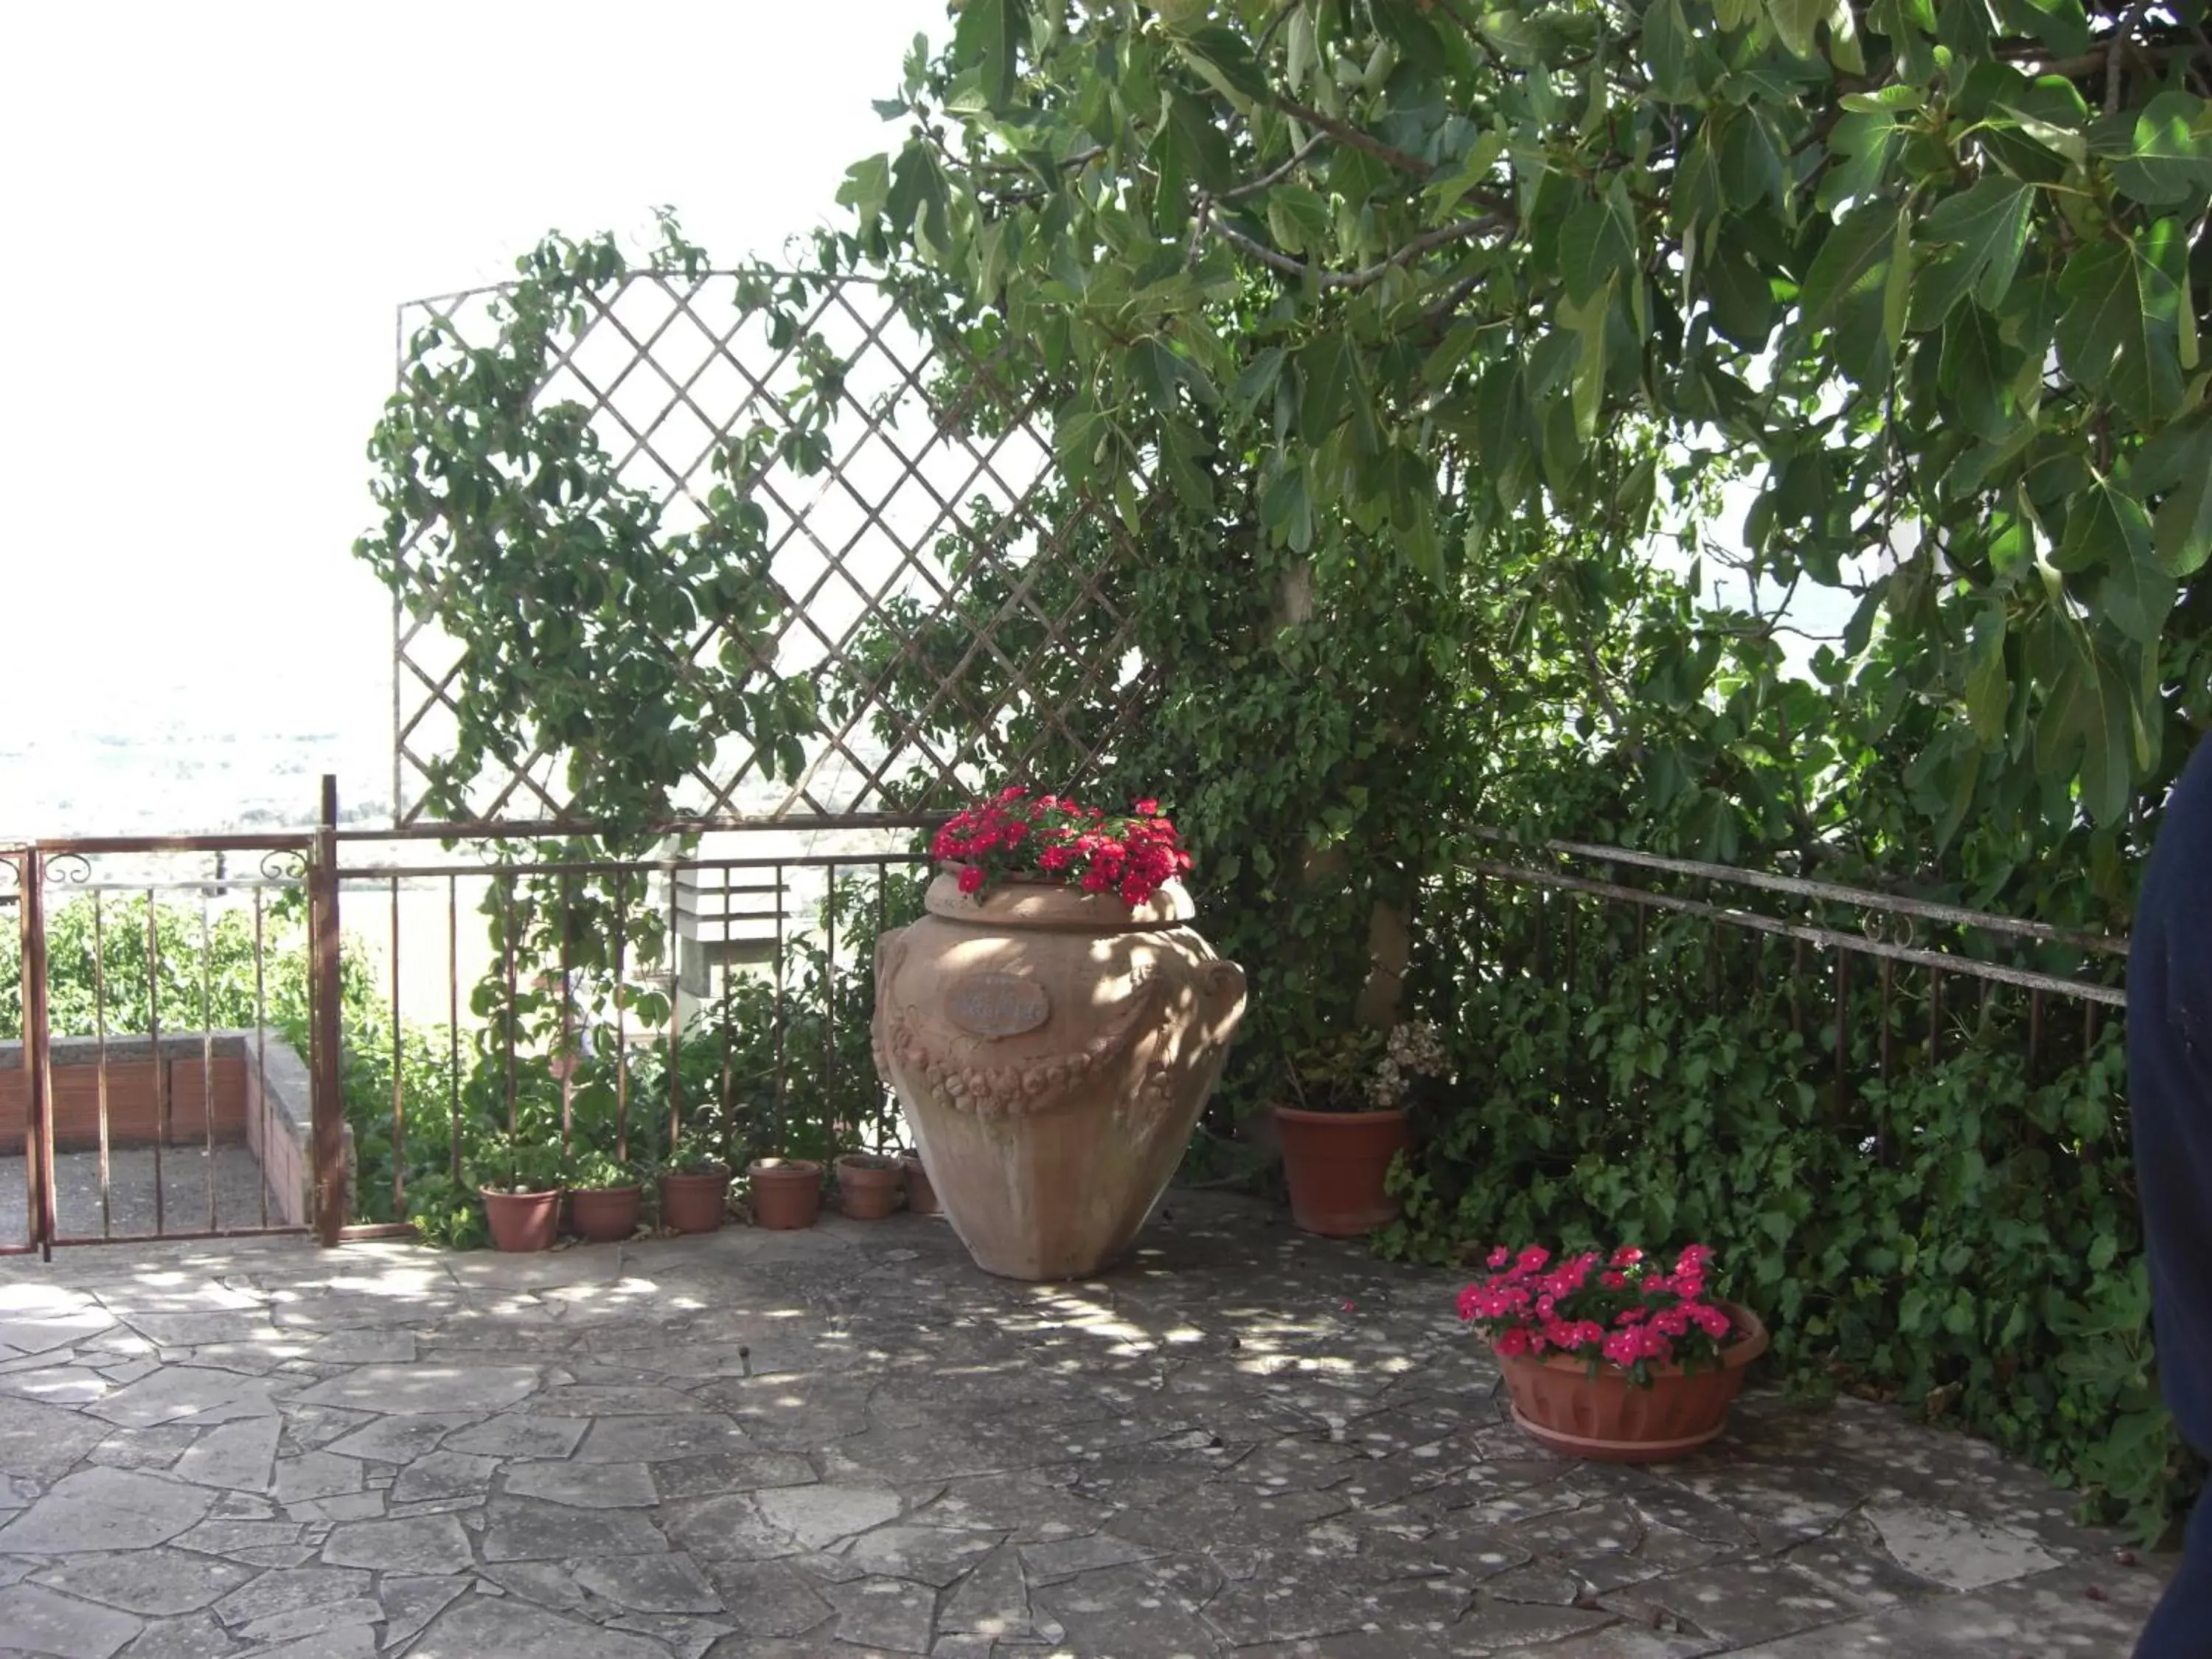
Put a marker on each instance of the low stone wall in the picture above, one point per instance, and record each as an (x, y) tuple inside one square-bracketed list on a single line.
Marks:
[(254, 1092)]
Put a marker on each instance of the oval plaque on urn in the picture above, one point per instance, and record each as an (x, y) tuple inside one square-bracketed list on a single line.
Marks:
[(997, 1004)]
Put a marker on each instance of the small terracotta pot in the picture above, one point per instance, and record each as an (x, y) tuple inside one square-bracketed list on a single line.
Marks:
[(869, 1189), (787, 1191), (920, 1196), (605, 1215), (522, 1221), (1335, 1162), (694, 1203), (1608, 1418)]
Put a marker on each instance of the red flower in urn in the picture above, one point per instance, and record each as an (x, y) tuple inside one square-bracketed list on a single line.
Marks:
[(1056, 839)]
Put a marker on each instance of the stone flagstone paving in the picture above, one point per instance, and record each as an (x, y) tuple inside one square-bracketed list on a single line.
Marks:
[(850, 1441)]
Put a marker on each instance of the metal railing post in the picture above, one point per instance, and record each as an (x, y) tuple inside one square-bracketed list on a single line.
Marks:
[(37, 1116), (329, 1107)]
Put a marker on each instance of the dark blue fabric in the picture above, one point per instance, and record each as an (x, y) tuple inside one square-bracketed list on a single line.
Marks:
[(2170, 1106)]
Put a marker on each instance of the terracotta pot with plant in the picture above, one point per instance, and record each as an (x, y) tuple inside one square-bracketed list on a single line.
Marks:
[(519, 1178), (868, 1185), (695, 1185), (1349, 1122), (920, 1196), (1615, 1357), (787, 1191), (1053, 1027), (605, 1196)]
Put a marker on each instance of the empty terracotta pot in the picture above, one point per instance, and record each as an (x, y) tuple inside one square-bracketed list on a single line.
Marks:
[(1051, 1050), (1608, 1418), (694, 1203), (605, 1215), (522, 1221), (920, 1196), (1336, 1164), (868, 1188), (787, 1191)]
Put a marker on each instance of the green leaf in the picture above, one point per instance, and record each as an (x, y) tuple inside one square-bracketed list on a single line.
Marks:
[(1667, 50), (986, 35), (1588, 321), (1598, 241), (2063, 141), (1221, 55), (1854, 261), (867, 186), (2182, 534), (2118, 335), (1989, 222), (1884, 101), (1733, 14), (2170, 160), (1328, 376), (2106, 529), (1472, 173), (1794, 21), (1259, 378), (1897, 289), (1286, 510), (1988, 691), (1741, 297), (1299, 218)]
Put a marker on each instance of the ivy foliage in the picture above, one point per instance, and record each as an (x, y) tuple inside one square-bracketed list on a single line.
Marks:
[(1930, 278)]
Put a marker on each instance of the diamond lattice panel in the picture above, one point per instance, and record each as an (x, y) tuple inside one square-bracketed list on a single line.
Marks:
[(956, 634)]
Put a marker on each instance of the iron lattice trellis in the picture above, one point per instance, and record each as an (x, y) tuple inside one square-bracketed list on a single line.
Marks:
[(930, 554)]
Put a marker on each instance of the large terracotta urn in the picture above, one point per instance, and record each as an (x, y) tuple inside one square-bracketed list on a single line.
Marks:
[(1052, 1049)]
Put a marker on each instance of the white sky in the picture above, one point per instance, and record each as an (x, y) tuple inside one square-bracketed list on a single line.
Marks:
[(210, 212)]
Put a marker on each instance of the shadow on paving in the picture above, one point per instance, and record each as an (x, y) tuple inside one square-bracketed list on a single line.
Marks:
[(849, 1441)]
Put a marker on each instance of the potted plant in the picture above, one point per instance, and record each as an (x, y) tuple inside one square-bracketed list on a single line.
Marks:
[(1615, 1357), (868, 1184), (695, 1184), (604, 1196), (920, 1196), (787, 1191), (1053, 1026), (519, 1178), (1350, 1122)]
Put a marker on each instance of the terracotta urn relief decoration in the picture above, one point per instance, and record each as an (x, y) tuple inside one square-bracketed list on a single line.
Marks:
[(1053, 1027)]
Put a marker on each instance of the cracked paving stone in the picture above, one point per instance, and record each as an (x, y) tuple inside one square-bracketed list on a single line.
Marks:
[(238, 1457), (649, 1583), (151, 1582), (277, 1593), (584, 1486), (444, 1474), (177, 1392), (1506, 1626), (725, 1528), (548, 1583), (583, 1400), (1064, 1558), (317, 1474), (241, 1540), (408, 1604), (1955, 1550), (712, 1473), (1851, 1563), (426, 1546), (316, 1620), (884, 1613), (199, 1637), (42, 1442), (819, 1515), (660, 1439), (105, 1509), (134, 1448), (689, 1638), (936, 1556), (1280, 1609), (991, 1600), (770, 1598), (474, 1627), (422, 1390), (1736, 1602), (341, 1642), (518, 1435), (1122, 1610), (522, 1530), (402, 1438), (56, 1385), (45, 1621)]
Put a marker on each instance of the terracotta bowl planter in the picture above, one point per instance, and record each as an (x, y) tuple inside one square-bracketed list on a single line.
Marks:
[(787, 1191), (1336, 1164), (1052, 1049), (1608, 1418), (605, 1215), (522, 1221), (869, 1187), (694, 1203), (920, 1196)]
